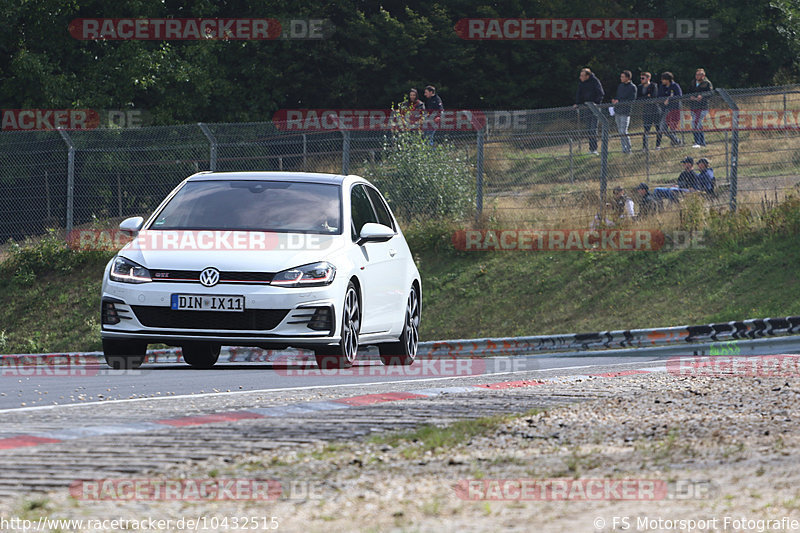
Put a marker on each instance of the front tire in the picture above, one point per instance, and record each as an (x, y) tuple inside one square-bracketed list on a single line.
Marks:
[(343, 355), (404, 351), (201, 355), (124, 355)]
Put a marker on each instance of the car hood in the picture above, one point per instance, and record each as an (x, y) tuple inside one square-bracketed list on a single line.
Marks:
[(226, 251)]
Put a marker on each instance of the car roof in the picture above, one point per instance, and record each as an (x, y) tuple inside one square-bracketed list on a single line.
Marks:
[(306, 177)]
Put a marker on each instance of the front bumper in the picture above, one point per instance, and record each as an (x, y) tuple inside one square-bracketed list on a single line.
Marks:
[(272, 315)]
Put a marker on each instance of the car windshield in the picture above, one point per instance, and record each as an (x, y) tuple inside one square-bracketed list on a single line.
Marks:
[(279, 206)]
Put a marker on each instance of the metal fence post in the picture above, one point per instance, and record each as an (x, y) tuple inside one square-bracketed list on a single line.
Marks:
[(734, 163), (345, 152), (70, 179), (212, 159), (479, 172), (604, 147)]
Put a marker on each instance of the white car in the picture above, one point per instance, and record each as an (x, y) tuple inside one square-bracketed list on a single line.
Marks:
[(269, 259)]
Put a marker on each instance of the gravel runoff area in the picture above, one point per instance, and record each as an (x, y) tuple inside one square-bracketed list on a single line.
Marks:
[(650, 452)]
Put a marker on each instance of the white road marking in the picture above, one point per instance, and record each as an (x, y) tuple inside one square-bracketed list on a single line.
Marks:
[(309, 387)]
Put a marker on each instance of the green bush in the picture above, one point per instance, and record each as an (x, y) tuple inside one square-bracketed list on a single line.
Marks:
[(48, 254), (421, 181)]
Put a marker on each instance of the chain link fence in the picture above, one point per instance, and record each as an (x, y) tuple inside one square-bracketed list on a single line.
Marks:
[(527, 167)]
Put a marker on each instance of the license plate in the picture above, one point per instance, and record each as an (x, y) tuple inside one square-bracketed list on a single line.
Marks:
[(202, 302)]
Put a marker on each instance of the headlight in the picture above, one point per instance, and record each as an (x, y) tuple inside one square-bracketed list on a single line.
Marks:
[(127, 271), (313, 275)]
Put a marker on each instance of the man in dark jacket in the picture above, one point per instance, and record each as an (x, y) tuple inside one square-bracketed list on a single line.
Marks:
[(626, 94), (705, 179), (646, 101), (669, 94), (589, 90), (698, 102), (687, 182), (434, 108)]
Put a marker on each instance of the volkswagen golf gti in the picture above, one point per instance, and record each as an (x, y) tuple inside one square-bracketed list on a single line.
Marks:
[(268, 259)]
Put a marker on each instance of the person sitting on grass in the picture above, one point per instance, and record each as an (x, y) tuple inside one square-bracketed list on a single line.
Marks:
[(621, 208), (648, 204), (687, 181), (705, 179)]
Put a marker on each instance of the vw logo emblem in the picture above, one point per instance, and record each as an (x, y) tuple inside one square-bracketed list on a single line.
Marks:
[(209, 277)]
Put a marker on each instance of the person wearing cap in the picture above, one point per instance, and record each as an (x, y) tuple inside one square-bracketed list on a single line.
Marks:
[(648, 204), (705, 179), (687, 182)]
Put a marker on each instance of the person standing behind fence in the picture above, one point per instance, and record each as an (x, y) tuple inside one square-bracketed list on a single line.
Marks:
[(434, 108), (589, 90), (411, 110), (698, 102), (646, 95), (626, 94), (669, 94)]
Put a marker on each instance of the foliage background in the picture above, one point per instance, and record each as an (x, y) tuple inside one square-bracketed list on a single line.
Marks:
[(377, 51)]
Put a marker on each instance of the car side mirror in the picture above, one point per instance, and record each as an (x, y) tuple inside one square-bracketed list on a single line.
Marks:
[(372, 232), (131, 225)]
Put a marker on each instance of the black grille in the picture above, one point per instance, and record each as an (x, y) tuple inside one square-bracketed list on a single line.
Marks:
[(260, 277), (229, 277), (249, 319)]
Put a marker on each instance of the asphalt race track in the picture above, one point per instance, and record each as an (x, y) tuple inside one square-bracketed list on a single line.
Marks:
[(35, 386)]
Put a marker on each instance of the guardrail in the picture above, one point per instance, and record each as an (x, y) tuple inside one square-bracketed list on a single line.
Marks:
[(574, 342), (630, 338)]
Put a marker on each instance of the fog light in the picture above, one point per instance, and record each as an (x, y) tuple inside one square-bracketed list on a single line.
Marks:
[(108, 313), (322, 319)]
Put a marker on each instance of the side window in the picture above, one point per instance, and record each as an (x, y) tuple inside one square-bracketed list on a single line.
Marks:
[(380, 208), (360, 210)]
